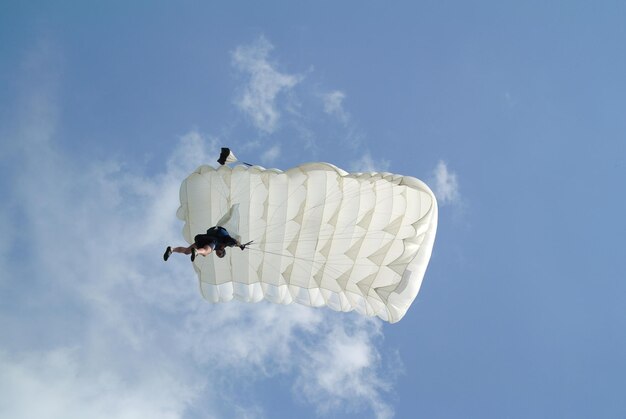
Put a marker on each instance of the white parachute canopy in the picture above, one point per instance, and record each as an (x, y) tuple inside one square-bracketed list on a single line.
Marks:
[(322, 236)]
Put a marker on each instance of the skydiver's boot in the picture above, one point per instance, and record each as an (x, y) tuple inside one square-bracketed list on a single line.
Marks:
[(167, 254)]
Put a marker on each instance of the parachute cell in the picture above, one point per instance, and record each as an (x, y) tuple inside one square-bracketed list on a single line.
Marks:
[(322, 236)]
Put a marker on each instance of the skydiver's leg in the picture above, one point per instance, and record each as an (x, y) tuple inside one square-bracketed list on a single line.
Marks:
[(185, 250), (179, 249), (201, 251), (204, 251)]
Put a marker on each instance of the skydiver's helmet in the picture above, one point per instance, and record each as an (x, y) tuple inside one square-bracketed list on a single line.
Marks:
[(220, 253)]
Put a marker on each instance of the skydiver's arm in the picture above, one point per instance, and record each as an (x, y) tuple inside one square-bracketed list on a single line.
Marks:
[(231, 242), (243, 246)]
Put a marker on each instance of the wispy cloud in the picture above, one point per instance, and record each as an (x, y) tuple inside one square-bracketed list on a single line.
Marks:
[(272, 98), (366, 163), (264, 84), (107, 309), (333, 105), (341, 372), (55, 384), (270, 155), (446, 185), (334, 360)]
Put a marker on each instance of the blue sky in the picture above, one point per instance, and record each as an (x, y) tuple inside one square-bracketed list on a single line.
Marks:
[(513, 112)]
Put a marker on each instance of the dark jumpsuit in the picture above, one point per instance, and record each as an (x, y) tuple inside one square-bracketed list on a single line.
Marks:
[(215, 237)]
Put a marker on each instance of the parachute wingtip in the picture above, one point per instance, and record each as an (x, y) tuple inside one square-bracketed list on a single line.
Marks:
[(226, 156)]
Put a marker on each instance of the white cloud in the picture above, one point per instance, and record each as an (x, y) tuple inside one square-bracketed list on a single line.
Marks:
[(265, 83), (343, 371), (119, 333), (333, 105), (54, 385), (270, 155), (446, 185), (333, 356), (367, 164)]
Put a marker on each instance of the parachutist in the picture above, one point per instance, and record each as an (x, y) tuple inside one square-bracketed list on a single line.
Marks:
[(215, 240)]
